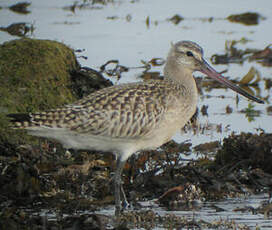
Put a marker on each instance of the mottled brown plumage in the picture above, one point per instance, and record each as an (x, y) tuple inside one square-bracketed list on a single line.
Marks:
[(129, 117), (128, 110)]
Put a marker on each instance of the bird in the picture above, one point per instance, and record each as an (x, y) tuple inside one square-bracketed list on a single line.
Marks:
[(127, 118)]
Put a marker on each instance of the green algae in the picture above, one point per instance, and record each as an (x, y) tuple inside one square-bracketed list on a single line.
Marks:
[(34, 76)]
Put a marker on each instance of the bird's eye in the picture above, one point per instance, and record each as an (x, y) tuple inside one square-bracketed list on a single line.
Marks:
[(189, 54)]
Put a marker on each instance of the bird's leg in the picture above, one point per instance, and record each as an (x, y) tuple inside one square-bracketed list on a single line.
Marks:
[(118, 184), (125, 202)]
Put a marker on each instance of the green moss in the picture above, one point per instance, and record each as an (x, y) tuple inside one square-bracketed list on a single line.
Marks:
[(34, 76)]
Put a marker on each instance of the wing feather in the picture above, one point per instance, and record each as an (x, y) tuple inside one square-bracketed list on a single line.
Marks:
[(131, 110)]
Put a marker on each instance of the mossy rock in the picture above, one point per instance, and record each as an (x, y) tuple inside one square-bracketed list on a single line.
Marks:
[(34, 76)]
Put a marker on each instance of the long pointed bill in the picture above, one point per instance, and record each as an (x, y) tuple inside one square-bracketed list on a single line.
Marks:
[(208, 70)]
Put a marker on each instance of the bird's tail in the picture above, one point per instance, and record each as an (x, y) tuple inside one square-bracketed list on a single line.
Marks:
[(20, 120)]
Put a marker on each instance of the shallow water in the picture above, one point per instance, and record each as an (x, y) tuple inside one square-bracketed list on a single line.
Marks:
[(119, 30), (212, 212)]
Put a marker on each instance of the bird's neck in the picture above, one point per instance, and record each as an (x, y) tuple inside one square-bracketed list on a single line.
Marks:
[(180, 75), (184, 80)]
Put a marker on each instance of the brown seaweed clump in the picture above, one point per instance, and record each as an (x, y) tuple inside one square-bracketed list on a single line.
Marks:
[(248, 18), (247, 150)]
